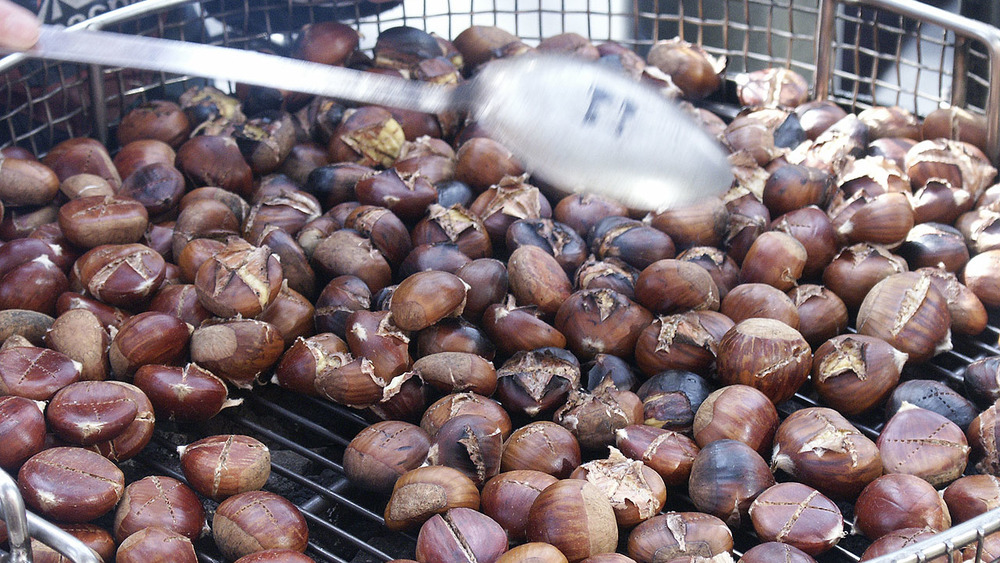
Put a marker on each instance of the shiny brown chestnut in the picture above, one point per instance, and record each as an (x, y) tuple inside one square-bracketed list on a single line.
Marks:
[(676, 535), (897, 501), (256, 520), (857, 268), (236, 350), (765, 354), (70, 484), (224, 465), (341, 297), (758, 300), (22, 430), (483, 162), (460, 535), (185, 394), (241, 279), (968, 314), (35, 373), (922, 331), (27, 182), (820, 448), (148, 338), (507, 498), (210, 160), (686, 341), (601, 321), (82, 155), (822, 315), (155, 543), (669, 453), (944, 450), (536, 382), (629, 240), (425, 298), (96, 220), (726, 477), (157, 501), (88, 412), (775, 551), (380, 453), (854, 373), (673, 286), (798, 515), (541, 446), (516, 329), (124, 275), (452, 372), (593, 532), (345, 252), (455, 335), (689, 66), (738, 412), (533, 551), (423, 492), (536, 278)]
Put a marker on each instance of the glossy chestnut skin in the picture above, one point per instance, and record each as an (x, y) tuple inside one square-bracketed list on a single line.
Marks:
[(839, 450), (673, 286), (156, 544), (425, 298), (897, 501), (981, 380), (629, 240), (423, 492), (209, 160), (775, 551), (488, 282), (87, 412), (507, 498), (241, 279), (726, 477), (856, 373), (35, 373), (249, 521), (536, 278), (159, 120), (759, 300), (123, 275), (555, 238), (95, 220), (943, 445), (700, 534), (765, 354), (81, 155), (345, 252), (533, 551), (460, 534), (157, 186), (224, 465), (798, 515), (236, 350), (594, 532), (162, 502), (341, 297), (686, 341), (737, 412), (148, 338), (774, 258), (22, 430), (924, 331), (380, 453), (70, 484), (857, 268), (185, 394), (79, 335)]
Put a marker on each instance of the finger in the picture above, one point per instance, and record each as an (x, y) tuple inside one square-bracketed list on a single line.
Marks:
[(18, 27)]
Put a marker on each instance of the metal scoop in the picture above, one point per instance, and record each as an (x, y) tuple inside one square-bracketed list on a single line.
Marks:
[(576, 125)]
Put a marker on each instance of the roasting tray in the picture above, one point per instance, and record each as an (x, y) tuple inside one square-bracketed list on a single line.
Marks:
[(858, 53)]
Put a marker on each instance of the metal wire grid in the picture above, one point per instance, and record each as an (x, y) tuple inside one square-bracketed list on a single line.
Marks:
[(877, 56)]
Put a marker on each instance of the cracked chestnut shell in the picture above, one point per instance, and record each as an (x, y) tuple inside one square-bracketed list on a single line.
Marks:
[(854, 373), (820, 448), (541, 446), (690, 67), (669, 453), (257, 520), (470, 443), (896, 501), (920, 442), (125, 275), (380, 453), (425, 491), (241, 279), (636, 491), (450, 406), (679, 535), (162, 502), (594, 417), (535, 382), (507, 497), (70, 484), (460, 535), (797, 515), (88, 412), (687, 341), (601, 321), (907, 311), (226, 464), (765, 354), (237, 350)]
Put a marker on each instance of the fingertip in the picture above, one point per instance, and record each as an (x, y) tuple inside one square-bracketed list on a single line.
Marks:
[(19, 28)]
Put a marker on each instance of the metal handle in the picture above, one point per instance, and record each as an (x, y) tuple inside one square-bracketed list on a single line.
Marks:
[(23, 525), (963, 28)]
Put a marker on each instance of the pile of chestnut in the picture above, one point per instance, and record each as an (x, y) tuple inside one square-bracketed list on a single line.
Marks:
[(542, 373)]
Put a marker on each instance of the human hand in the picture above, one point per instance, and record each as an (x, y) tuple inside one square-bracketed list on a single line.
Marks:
[(18, 27)]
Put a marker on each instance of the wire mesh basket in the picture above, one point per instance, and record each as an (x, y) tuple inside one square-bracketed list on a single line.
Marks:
[(857, 53)]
